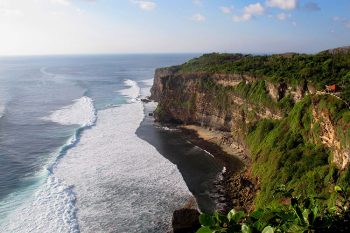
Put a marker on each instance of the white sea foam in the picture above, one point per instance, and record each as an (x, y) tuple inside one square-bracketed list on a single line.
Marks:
[(146, 91), (111, 181), (81, 112), (166, 128), (44, 72), (133, 90), (122, 183), (50, 209)]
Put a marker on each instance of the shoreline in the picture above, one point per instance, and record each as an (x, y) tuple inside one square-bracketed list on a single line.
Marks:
[(227, 149), (239, 186)]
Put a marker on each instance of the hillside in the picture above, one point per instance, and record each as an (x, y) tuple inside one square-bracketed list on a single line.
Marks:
[(276, 108)]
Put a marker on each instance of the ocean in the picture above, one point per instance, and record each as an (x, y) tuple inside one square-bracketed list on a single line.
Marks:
[(77, 153)]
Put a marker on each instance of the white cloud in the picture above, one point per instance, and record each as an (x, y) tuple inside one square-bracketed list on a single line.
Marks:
[(145, 5), (226, 10), (283, 4), (342, 20), (62, 2), (283, 16), (249, 12), (198, 17)]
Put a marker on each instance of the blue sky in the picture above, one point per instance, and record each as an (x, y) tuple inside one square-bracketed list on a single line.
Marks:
[(172, 26)]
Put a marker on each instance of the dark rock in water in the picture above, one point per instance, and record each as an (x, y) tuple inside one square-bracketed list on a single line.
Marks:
[(185, 221), (145, 100), (150, 114)]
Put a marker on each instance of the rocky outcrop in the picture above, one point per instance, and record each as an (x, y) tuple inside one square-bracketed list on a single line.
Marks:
[(331, 138), (277, 92), (183, 99), (185, 221), (242, 189), (237, 104)]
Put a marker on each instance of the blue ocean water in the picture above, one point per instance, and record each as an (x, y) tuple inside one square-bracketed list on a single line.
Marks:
[(47, 106)]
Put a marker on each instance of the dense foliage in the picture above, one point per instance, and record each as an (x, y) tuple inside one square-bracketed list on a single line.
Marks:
[(301, 214), (320, 69), (288, 152)]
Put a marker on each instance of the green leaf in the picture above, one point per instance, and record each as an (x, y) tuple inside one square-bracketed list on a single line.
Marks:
[(314, 212), (259, 225), (220, 218), (298, 212), (296, 228), (238, 216), (332, 209), (338, 189), (246, 229), (235, 216), (268, 229), (306, 213), (206, 220), (257, 214), (286, 216), (231, 215), (204, 230)]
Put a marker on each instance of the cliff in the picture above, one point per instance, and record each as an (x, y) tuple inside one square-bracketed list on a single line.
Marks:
[(274, 107)]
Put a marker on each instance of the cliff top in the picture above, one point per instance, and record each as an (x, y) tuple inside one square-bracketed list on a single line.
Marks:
[(321, 69)]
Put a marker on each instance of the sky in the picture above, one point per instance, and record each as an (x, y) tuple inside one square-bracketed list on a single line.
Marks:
[(44, 27)]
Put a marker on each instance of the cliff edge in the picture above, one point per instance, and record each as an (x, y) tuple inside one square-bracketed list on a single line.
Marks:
[(274, 108)]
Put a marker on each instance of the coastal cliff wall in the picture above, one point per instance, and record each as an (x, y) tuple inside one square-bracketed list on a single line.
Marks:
[(292, 133), (225, 102)]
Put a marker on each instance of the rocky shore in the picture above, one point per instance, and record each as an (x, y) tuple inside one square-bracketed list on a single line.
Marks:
[(236, 188)]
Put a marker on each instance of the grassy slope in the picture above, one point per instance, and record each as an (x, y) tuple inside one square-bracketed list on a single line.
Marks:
[(286, 151)]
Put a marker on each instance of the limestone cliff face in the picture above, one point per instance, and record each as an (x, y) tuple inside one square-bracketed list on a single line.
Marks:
[(217, 101), (184, 98), (333, 135)]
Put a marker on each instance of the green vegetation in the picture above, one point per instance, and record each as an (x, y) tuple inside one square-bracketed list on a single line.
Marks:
[(220, 94), (296, 151), (320, 69), (254, 93), (300, 215), (289, 152)]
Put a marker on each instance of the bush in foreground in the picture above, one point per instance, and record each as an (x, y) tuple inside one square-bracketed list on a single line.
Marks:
[(302, 214)]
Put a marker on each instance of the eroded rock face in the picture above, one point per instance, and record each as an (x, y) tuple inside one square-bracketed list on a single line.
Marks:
[(329, 138), (276, 91), (182, 99)]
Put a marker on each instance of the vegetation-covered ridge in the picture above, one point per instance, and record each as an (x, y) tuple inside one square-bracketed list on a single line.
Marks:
[(325, 68), (278, 109)]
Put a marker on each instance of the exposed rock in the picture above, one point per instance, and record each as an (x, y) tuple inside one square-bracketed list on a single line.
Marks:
[(276, 91), (146, 100), (185, 220), (311, 88), (329, 137), (242, 189), (182, 99), (298, 93), (345, 49)]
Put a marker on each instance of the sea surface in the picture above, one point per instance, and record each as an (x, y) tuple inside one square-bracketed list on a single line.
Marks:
[(70, 158)]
